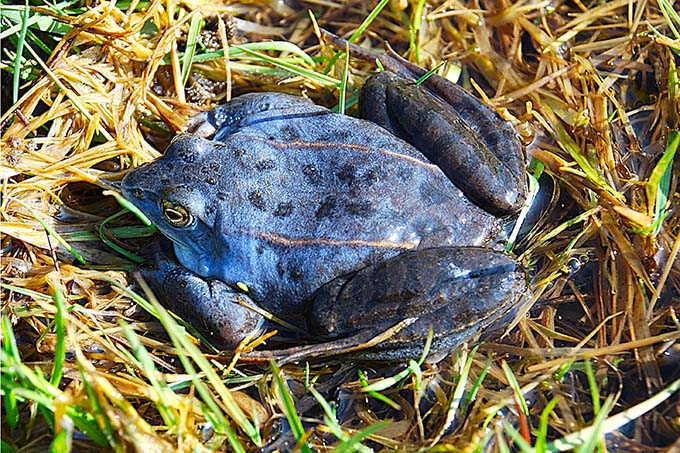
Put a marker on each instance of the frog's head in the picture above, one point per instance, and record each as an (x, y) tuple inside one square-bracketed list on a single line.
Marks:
[(174, 193)]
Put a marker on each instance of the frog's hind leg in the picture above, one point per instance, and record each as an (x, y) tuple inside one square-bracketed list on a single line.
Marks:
[(455, 291), (460, 140), (219, 313), (474, 146)]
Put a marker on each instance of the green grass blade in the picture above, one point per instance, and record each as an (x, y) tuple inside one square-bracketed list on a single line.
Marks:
[(322, 79), (343, 85), (329, 414), (9, 341), (9, 345), (671, 15), (236, 52), (596, 435), (541, 436), (5, 447), (288, 408), (362, 28), (369, 19), (457, 397), (611, 424), (387, 382), (516, 437), (413, 368), (347, 443), (188, 350), (429, 73), (20, 51), (165, 398), (30, 385), (192, 40), (129, 206), (38, 22), (478, 382), (124, 232), (566, 142), (658, 185), (102, 236), (63, 441), (592, 384), (354, 442), (101, 426), (510, 376), (25, 292), (378, 396), (60, 332), (414, 30)]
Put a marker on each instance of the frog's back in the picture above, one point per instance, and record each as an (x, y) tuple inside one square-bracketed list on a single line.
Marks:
[(326, 176)]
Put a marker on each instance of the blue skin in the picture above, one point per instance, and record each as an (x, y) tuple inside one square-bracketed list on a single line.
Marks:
[(292, 200)]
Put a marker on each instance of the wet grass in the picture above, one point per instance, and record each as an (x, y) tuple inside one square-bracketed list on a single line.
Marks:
[(99, 89)]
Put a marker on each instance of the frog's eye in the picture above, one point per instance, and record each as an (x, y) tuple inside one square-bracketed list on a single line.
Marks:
[(176, 215)]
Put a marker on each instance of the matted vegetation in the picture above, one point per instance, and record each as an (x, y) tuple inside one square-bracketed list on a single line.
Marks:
[(593, 88)]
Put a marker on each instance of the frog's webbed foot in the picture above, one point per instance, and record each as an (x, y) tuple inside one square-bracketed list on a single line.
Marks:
[(455, 291), (210, 305)]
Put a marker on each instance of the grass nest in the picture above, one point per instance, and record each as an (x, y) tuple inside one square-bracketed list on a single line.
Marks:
[(100, 87)]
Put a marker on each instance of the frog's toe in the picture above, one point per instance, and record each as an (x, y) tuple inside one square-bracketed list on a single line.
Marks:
[(222, 315), (455, 291)]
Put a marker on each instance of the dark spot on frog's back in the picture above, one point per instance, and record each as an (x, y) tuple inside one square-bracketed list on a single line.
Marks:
[(289, 133), (347, 174), (187, 154), (283, 209), (312, 173), (256, 198), (293, 269), (326, 208), (296, 273), (210, 172), (265, 164), (238, 152)]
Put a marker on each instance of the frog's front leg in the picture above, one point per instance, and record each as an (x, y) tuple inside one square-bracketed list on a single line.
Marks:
[(215, 309), (455, 291)]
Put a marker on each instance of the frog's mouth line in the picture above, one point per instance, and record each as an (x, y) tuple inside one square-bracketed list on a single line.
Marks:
[(177, 242)]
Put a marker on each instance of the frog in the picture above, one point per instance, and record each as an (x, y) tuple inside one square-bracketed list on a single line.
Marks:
[(368, 237)]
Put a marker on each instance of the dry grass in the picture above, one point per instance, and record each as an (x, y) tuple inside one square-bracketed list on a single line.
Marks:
[(593, 87)]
